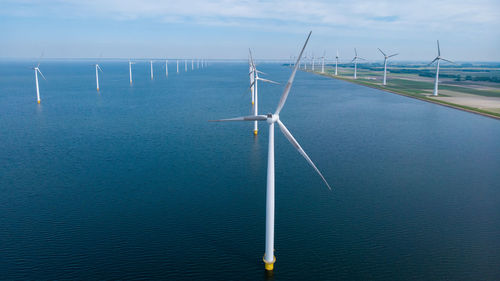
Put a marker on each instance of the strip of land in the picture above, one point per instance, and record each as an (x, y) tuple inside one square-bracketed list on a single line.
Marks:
[(472, 96)]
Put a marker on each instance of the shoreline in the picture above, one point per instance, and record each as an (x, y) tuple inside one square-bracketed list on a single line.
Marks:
[(442, 103)]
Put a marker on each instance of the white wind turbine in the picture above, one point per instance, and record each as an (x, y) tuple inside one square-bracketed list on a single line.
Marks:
[(255, 85), (385, 64), (192, 64), (271, 119), (185, 65), (166, 68), (323, 62), (177, 66), (252, 77), (312, 63), (336, 61), (37, 70), (151, 62), (97, 69), (355, 60), (438, 58), (130, 70)]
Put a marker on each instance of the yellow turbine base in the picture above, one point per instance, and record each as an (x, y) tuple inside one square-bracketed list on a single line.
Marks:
[(252, 103), (255, 132), (97, 89), (269, 265), (38, 101)]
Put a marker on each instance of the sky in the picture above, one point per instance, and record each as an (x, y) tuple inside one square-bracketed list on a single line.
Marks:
[(225, 29)]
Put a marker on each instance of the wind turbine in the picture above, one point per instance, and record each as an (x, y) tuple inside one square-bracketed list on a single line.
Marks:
[(323, 62), (385, 64), (269, 258), (355, 60), (130, 70), (192, 64), (438, 58), (313, 62), (37, 70), (151, 62), (166, 68), (255, 86), (177, 66), (185, 65), (252, 78), (97, 69), (336, 61)]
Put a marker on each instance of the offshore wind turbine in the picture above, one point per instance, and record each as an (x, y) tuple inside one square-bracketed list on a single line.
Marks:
[(385, 64), (192, 64), (355, 60), (438, 58), (255, 72), (312, 63), (166, 68), (130, 70), (37, 70), (252, 78), (151, 62), (185, 65), (177, 66), (323, 62), (97, 69), (272, 119), (336, 61)]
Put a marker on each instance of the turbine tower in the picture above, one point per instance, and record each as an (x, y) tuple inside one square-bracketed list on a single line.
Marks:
[(166, 68), (192, 64), (177, 66), (97, 69), (185, 65), (252, 78), (323, 62), (385, 64), (355, 60), (37, 70), (438, 58), (336, 61), (255, 86), (151, 62), (272, 119), (130, 70)]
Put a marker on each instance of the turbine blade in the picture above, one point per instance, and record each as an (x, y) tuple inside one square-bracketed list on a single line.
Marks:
[(433, 61), (268, 81), (251, 57), (294, 142), (258, 71), (448, 61), (393, 55), (290, 80), (243, 118), (382, 52), (100, 68), (41, 73), (439, 51), (355, 52)]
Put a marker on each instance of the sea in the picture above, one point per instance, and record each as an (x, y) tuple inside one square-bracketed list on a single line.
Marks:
[(133, 183)]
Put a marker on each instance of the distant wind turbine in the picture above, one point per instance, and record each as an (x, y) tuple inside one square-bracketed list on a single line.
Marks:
[(177, 66), (385, 64), (97, 69), (255, 72), (269, 258), (192, 64), (166, 68), (336, 61), (355, 60), (323, 62), (185, 65), (130, 70), (438, 58), (37, 70), (151, 62)]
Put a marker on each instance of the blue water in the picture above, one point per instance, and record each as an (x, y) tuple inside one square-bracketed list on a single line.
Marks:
[(134, 183)]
